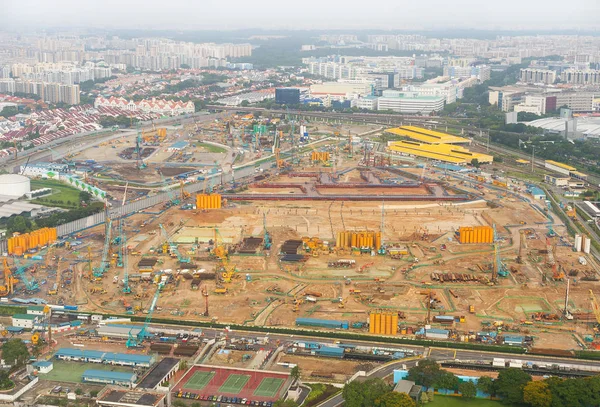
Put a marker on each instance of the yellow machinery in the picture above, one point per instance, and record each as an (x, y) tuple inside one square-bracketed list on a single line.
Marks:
[(184, 194), (222, 253), (278, 161), (9, 281), (35, 339), (342, 303)]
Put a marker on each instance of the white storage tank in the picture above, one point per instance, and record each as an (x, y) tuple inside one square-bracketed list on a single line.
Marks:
[(14, 185), (587, 245), (577, 243)]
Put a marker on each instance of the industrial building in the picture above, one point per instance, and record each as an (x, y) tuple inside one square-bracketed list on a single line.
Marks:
[(409, 388), (162, 371), (427, 136), (118, 331), (537, 193), (439, 152), (433, 333), (115, 397), (590, 208), (409, 102), (42, 169), (26, 321), (556, 181), (108, 377), (177, 146), (322, 323), (14, 185), (287, 96), (559, 167), (94, 356)]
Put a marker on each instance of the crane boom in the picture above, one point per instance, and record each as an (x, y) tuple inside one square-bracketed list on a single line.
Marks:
[(136, 340)]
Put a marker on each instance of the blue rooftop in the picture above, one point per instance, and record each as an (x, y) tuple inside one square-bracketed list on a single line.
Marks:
[(107, 375), (104, 356), (536, 191), (450, 167), (179, 144), (42, 363), (14, 329)]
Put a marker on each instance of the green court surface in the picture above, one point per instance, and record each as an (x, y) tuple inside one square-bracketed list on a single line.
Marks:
[(234, 384), (199, 380), (268, 387)]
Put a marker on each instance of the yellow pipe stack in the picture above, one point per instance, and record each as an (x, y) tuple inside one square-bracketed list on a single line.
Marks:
[(476, 234), (358, 239), (209, 201), (383, 323), (19, 244)]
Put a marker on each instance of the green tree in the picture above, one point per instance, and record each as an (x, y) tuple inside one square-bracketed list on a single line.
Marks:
[(15, 352), (475, 163), (78, 391), (486, 384), (364, 394), (425, 374), (295, 372), (447, 380), (245, 103), (393, 399), (183, 364), (467, 389), (537, 394), (510, 384), (285, 403), (424, 398), (85, 196), (17, 224), (5, 382)]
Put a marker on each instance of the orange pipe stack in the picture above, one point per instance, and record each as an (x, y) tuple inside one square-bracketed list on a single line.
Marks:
[(19, 244), (476, 234), (383, 323), (209, 201), (358, 239)]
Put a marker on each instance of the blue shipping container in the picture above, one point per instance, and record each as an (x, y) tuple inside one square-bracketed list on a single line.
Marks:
[(324, 323)]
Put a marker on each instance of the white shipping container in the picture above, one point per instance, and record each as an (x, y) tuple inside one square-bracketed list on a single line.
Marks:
[(587, 245), (582, 261), (577, 243)]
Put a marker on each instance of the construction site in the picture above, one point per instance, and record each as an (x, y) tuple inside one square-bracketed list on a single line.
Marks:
[(331, 232)]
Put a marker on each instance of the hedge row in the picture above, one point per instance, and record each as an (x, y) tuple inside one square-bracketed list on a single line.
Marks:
[(11, 310)]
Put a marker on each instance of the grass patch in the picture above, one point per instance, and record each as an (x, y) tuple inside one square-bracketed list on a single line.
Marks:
[(63, 196), (319, 392), (72, 371), (450, 401), (211, 148)]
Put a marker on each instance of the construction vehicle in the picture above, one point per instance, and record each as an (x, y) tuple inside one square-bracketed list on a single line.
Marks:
[(54, 289), (221, 290), (342, 303), (171, 248), (133, 341), (223, 254), (183, 193), (104, 262), (9, 281), (35, 339), (267, 237), (471, 309), (31, 285)]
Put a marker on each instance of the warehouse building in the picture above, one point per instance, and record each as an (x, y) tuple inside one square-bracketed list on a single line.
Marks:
[(118, 331), (446, 153), (427, 136), (556, 181), (590, 208), (26, 321), (322, 323), (94, 356), (164, 370), (433, 333), (108, 377), (115, 397), (43, 366), (559, 167)]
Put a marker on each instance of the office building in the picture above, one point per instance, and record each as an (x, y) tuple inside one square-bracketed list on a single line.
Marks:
[(576, 101), (481, 72), (287, 96), (409, 102), (535, 104)]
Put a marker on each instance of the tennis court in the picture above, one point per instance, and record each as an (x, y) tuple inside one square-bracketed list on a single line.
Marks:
[(234, 384), (199, 380), (268, 387)]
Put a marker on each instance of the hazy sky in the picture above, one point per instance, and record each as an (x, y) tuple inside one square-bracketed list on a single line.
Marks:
[(302, 14)]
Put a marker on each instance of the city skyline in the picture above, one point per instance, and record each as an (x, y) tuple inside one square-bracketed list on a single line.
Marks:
[(211, 15)]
